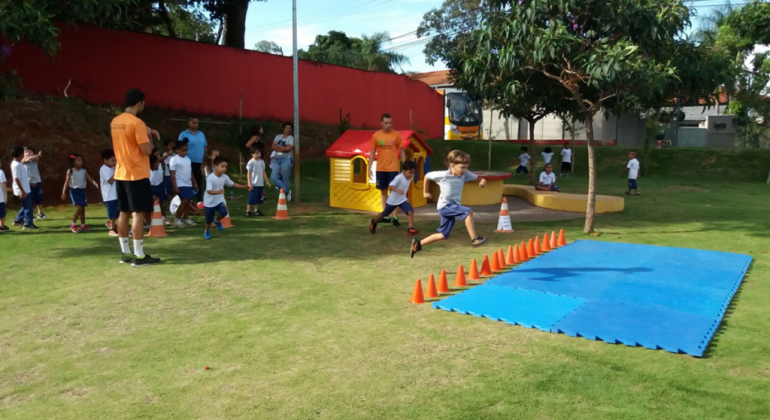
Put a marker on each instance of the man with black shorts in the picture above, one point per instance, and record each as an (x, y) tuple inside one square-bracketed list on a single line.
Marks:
[(388, 150), (131, 142)]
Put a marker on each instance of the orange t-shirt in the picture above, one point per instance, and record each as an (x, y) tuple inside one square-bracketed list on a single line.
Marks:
[(388, 148), (128, 132)]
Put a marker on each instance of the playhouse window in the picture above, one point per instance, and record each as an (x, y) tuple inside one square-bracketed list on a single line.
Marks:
[(359, 170)]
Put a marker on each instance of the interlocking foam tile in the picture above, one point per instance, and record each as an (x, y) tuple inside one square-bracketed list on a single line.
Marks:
[(638, 295)]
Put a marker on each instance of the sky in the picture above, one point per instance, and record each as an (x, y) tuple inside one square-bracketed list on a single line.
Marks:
[(271, 21)]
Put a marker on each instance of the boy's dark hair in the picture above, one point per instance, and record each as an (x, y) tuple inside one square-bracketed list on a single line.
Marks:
[(17, 151), (29, 148), (408, 165), (153, 159), (181, 143), (566, 143), (255, 129), (108, 154), (547, 150), (154, 149), (287, 124), (134, 96), (386, 115), (257, 148), (219, 159), (524, 148), (169, 141)]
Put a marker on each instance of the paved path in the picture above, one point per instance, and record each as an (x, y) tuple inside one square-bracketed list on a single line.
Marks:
[(521, 211)]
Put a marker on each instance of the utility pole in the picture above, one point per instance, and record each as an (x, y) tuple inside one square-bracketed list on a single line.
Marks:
[(296, 193)]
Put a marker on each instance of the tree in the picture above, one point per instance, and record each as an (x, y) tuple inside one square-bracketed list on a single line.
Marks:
[(269, 47), (185, 22), (607, 55), (233, 14), (449, 26), (366, 53)]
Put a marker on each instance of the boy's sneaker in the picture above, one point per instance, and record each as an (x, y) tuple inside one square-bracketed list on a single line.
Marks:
[(275, 187), (249, 214), (113, 233), (127, 258), (412, 231), (373, 227), (147, 260), (264, 197), (416, 247), (168, 222), (207, 235), (188, 222), (288, 196), (386, 220), (219, 225), (628, 192), (73, 228), (478, 241), (5, 229), (395, 222), (259, 214), (85, 228), (178, 223), (15, 223), (41, 216), (107, 224), (29, 227)]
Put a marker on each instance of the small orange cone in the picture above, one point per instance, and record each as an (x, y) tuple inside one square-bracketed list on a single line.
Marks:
[(538, 250), (157, 230), (226, 221), (486, 270), (546, 243), (554, 244), (509, 256), (523, 252), (504, 222), (283, 210), (561, 242), (530, 249), (443, 287), (501, 259), (516, 255), (417, 297), (460, 277), (473, 273), (496, 263), (431, 292)]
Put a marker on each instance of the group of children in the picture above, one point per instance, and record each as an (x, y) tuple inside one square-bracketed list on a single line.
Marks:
[(547, 181)]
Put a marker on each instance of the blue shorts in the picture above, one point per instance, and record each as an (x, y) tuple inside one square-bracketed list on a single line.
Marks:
[(2, 210), (552, 187), (78, 197), (36, 193), (405, 207), (187, 193), (160, 192), (521, 169), (384, 179), (256, 196), (169, 185), (112, 209), (632, 184), (449, 213), (210, 212)]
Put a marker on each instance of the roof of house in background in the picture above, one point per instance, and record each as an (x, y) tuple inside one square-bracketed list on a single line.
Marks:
[(433, 78)]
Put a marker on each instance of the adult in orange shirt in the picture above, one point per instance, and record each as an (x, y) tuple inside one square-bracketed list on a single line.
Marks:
[(132, 146), (388, 147)]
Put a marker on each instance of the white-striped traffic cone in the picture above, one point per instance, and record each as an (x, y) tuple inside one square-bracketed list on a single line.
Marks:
[(504, 222), (283, 210), (156, 228)]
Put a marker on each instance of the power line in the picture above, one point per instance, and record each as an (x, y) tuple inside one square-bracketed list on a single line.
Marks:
[(328, 16)]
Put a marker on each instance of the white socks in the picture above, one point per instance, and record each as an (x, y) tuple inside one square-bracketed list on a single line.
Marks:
[(138, 248), (124, 246)]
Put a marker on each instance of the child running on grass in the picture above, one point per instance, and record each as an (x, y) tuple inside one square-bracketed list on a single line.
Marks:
[(214, 197), (77, 180), (35, 182), (257, 178), (633, 173), (547, 180), (184, 184), (397, 198), (3, 191), (109, 191), (524, 158), (449, 207)]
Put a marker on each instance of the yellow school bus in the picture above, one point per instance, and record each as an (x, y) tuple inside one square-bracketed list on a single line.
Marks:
[(463, 117)]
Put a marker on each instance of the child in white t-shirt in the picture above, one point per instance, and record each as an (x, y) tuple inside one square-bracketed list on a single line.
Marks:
[(547, 155), (399, 188), (31, 162), (547, 180), (633, 173), (3, 192), (214, 197), (109, 190), (185, 185), (257, 178), (524, 158), (566, 160)]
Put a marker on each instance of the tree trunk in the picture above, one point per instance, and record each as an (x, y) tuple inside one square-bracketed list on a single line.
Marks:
[(164, 16), (591, 207), (220, 31), (235, 17), (572, 139), (532, 150)]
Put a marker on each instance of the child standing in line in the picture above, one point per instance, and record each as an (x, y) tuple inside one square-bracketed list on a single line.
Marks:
[(633, 174), (524, 158), (214, 197), (257, 178), (21, 189), (158, 178), (165, 160), (449, 207), (3, 190), (109, 191), (77, 180), (566, 160), (547, 155), (184, 184), (35, 182), (397, 198), (547, 179)]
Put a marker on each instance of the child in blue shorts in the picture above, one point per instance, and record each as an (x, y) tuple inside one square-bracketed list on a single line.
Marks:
[(158, 183), (184, 183), (35, 181), (524, 159), (214, 196), (547, 180), (77, 181), (399, 187), (449, 202), (3, 191), (109, 190), (257, 178)]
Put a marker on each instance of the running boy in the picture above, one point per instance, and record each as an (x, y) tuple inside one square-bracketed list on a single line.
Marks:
[(109, 192), (35, 182), (547, 179), (214, 197), (21, 189), (184, 183), (257, 178), (524, 158), (449, 207), (397, 198), (3, 181), (633, 173), (566, 160)]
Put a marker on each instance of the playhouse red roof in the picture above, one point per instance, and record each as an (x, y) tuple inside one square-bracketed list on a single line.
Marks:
[(359, 143)]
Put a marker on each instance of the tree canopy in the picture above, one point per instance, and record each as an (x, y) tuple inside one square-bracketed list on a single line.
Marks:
[(269, 47), (366, 53)]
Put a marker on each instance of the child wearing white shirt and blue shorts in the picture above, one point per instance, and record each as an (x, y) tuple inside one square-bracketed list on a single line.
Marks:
[(214, 196), (523, 161), (109, 190), (184, 183), (399, 187), (633, 174), (547, 180)]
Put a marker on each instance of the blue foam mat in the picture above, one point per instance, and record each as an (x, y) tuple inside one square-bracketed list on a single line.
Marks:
[(638, 295)]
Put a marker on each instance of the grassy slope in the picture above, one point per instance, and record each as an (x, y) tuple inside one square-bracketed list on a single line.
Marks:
[(310, 319)]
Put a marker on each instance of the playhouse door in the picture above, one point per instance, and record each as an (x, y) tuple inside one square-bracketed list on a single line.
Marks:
[(416, 197)]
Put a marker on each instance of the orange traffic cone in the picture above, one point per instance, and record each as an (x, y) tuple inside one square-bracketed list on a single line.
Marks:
[(516, 255), (473, 273), (523, 252), (486, 270), (501, 259), (554, 244), (283, 211), (460, 277), (531, 249), (417, 294), (546, 243), (226, 220), (156, 228), (509, 256), (561, 242), (431, 292), (443, 287), (538, 250), (504, 222), (496, 263)]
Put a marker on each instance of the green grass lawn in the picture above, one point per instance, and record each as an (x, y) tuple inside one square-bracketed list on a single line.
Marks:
[(310, 318)]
